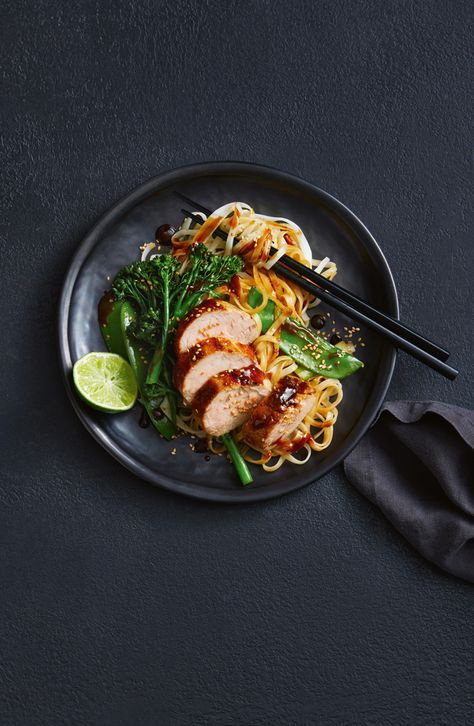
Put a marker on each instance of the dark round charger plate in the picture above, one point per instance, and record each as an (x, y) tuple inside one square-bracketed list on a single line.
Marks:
[(332, 230)]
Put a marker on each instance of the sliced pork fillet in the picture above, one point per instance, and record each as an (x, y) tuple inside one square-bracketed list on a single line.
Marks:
[(207, 359), (216, 319), (278, 415), (226, 400)]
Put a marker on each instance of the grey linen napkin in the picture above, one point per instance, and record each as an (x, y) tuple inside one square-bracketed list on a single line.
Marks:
[(417, 465)]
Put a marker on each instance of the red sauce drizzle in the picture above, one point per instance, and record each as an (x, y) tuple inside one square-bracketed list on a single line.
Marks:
[(250, 376), (293, 446), (209, 226), (278, 401), (247, 248), (235, 285)]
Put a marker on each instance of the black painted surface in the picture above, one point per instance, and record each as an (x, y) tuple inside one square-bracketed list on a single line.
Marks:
[(122, 604)]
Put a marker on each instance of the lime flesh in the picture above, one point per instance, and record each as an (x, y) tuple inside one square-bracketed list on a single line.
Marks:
[(105, 381)]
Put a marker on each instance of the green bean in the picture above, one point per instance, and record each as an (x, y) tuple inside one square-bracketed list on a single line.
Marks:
[(313, 353), (237, 459)]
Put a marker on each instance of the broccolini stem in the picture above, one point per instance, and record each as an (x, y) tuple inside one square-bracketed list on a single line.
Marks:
[(237, 459), (154, 368), (127, 315), (166, 309)]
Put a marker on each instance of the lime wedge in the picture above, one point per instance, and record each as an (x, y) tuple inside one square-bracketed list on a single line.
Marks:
[(105, 381)]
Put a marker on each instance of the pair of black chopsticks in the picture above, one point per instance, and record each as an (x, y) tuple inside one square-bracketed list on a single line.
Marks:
[(346, 302)]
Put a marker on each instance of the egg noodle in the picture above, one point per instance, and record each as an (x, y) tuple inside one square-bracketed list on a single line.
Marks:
[(253, 236)]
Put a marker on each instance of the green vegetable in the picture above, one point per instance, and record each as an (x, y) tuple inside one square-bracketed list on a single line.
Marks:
[(205, 272), (163, 297), (304, 374), (110, 327), (149, 286), (314, 354), (267, 315), (237, 459), (166, 427)]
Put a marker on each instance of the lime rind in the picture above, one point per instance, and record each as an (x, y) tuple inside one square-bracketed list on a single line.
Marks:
[(105, 381)]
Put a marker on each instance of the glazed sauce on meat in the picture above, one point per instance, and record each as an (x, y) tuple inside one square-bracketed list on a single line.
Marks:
[(285, 397), (279, 400), (250, 376), (206, 307), (260, 422), (106, 304)]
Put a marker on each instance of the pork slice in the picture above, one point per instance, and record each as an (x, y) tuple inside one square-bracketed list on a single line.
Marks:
[(227, 399), (215, 319), (206, 359), (279, 415)]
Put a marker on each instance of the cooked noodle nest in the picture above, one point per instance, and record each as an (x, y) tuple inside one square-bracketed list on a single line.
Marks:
[(253, 236)]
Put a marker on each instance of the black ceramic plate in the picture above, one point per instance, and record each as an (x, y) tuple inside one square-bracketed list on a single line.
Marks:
[(331, 229)]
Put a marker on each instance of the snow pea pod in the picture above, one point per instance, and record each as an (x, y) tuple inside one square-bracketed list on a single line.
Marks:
[(314, 354), (110, 325), (159, 420), (267, 315)]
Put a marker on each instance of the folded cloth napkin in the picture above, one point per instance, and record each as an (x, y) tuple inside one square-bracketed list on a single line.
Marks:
[(417, 465)]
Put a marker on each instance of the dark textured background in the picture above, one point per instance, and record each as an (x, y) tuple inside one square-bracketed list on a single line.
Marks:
[(121, 604)]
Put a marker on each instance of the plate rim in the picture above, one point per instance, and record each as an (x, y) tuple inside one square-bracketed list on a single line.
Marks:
[(239, 495)]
